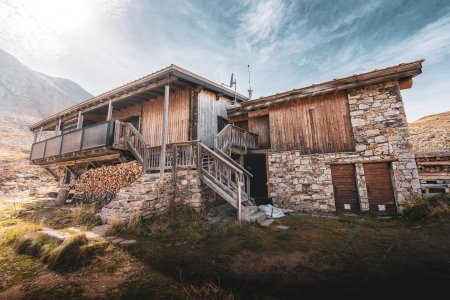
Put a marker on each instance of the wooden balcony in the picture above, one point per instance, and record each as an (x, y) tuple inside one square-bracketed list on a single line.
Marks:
[(90, 141)]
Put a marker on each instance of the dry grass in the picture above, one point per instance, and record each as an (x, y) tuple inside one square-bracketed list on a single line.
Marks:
[(209, 291), (68, 255), (85, 215), (116, 225), (418, 209)]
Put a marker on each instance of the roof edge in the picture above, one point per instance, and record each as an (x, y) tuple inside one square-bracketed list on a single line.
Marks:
[(403, 70)]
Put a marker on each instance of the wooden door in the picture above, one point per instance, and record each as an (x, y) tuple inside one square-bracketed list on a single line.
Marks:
[(345, 189), (260, 126), (379, 188)]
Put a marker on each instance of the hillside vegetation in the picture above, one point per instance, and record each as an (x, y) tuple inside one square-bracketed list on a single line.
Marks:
[(431, 133)]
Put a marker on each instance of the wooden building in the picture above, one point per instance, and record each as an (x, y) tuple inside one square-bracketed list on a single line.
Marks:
[(341, 145)]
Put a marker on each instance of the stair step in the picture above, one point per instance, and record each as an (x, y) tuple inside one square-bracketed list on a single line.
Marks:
[(249, 210), (257, 217), (266, 222)]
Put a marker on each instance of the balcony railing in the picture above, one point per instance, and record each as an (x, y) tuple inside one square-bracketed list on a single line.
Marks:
[(90, 137)]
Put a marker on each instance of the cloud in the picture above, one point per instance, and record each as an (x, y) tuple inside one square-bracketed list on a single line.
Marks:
[(289, 44)]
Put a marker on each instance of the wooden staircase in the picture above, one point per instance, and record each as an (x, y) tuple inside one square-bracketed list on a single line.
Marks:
[(216, 169)]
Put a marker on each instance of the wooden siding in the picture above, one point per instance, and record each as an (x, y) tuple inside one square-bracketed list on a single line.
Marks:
[(260, 126), (152, 118), (127, 112), (317, 125), (208, 110)]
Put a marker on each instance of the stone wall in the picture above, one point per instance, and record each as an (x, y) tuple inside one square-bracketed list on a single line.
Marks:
[(190, 191), (379, 126), (146, 197), (150, 196)]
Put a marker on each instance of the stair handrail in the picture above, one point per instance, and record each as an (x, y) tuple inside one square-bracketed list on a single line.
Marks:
[(233, 135), (137, 145), (240, 175)]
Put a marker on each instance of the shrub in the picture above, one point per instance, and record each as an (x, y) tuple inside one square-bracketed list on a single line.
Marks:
[(417, 208)]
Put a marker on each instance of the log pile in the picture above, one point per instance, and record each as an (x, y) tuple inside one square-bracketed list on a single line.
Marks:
[(101, 185)]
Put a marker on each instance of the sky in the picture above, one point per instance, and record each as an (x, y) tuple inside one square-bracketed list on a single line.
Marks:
[(101, 44)]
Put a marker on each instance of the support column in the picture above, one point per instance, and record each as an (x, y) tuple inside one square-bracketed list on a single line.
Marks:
[(110, 109), (39, 135), (80, 120), (58, 128), (164, 129)]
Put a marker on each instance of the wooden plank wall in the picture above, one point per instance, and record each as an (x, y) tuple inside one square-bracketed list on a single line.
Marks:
[(178, 118), (127, 112), (317, 125), (260, 126), (208, 110)]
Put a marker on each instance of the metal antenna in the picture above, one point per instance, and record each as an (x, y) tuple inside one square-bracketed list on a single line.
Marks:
[(233, 82), (250, 91)]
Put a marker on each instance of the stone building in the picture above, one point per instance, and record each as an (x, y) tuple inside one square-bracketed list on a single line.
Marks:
[(341, 145)]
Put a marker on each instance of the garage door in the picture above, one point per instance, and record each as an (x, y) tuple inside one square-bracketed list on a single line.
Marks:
[(345, 189), (379, 188)]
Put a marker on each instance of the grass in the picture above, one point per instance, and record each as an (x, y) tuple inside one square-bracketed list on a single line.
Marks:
[(180, 256), (84, 214), (419, 209)]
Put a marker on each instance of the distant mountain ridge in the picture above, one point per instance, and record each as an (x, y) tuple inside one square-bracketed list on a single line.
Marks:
[(29, 95), (26, 96)]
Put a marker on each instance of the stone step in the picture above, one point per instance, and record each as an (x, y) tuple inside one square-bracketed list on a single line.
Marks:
[(266, 222), (257, 217), (249, 210)]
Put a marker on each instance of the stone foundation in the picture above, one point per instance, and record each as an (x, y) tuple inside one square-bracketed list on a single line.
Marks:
[(379, 126), (150, 196)]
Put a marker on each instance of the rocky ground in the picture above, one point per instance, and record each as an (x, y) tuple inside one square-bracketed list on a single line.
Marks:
[(431, 133)]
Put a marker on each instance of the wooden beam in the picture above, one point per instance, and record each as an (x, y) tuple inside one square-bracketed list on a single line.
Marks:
[(405, 83), (101, 102), (73, 171), (164, 129), (434, 163), (53, 173), (258, 113), (76, 160)]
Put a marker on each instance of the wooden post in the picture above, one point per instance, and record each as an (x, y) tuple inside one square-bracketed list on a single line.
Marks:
[(162, 163), (35, 137), (58, 127), (110, 109), (174, 169), (239, 200), (80, 120), (40, 134)]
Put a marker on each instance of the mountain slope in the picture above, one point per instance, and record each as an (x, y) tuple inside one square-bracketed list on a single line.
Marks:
[(27, 96), (31, 95), (431, 133)]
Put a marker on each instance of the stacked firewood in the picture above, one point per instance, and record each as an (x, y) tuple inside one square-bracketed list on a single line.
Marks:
[(101, 185), (433, 169)]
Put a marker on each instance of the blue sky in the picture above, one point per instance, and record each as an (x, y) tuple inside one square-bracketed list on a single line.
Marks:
[(288, 44)]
